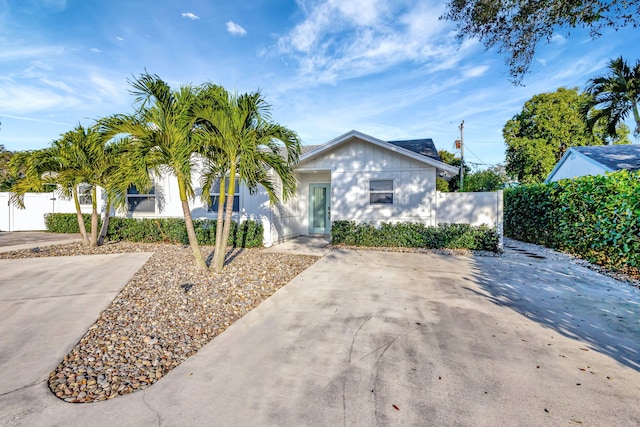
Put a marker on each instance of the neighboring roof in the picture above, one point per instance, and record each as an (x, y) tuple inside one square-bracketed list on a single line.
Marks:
[(610, 158), (615, 157), (422, 150), (424, 147)]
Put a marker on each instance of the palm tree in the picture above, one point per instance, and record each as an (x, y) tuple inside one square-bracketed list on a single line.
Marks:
[(614, 96), (244, 143), (76, 159), (161, 131), (122, 169)]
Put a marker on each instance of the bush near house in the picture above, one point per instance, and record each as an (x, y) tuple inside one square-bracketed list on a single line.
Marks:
[(247, 234), (415, 235), (594, 217)]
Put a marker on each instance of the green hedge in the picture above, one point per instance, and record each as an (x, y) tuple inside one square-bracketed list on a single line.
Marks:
[(594, 217), (247, 234), (66, 223), (415, 235)]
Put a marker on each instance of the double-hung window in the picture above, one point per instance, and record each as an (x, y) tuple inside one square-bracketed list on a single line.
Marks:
[(215, 195), (141, 202), (84, 194), (381, 192)]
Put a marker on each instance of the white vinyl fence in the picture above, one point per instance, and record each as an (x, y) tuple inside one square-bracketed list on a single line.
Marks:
[(31, 218), (471, 208)]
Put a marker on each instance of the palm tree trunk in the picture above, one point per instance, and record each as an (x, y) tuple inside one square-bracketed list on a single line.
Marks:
[(227, 221), (636, 117), (188, 222), (219, 225), (81, 227), (105, 222), (93, 241)]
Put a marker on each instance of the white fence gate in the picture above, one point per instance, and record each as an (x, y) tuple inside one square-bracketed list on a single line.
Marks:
[(31, 218)]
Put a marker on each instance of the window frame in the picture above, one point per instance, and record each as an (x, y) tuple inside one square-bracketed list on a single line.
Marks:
[(215, 195), (84, 195), (373, 192), (150, 195)]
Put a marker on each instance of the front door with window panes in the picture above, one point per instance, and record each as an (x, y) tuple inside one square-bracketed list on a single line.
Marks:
[(319, 208)]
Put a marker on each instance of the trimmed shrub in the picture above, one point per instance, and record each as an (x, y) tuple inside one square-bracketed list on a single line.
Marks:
[(66, 222), (415, 235), (247, 234), (594, 217)]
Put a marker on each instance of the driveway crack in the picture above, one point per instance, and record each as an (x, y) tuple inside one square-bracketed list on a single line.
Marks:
[(23, 387)]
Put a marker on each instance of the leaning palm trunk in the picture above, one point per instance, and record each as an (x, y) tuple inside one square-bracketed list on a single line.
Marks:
[(93, 241), (188, 222), (222, 251), (81, 227), (105, 222)]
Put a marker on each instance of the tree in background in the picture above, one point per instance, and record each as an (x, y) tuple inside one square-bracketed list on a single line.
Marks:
[(547, 126), (613, 97), (5, 178), (454, 183), (491, 179), (516, 27)]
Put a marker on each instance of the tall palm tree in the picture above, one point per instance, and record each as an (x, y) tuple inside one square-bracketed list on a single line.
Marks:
[(76, 159), (161, 132), (614, 96), (247, 145)]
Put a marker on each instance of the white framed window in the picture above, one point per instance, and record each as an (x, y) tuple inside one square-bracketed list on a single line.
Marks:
[(141, 202), (381, 192), (215, 195), (84, 194)]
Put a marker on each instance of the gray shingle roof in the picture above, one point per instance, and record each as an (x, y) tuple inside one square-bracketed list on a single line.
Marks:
[(424, 147), (616, 157)]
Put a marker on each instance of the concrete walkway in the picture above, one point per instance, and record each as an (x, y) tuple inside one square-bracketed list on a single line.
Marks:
[(372, 338), (303, 245)]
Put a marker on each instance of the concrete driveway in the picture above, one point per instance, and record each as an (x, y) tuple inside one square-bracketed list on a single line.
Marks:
[(13, 240), (371, 338)]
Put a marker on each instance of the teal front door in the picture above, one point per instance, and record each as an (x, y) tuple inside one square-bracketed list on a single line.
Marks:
[(319, 208)]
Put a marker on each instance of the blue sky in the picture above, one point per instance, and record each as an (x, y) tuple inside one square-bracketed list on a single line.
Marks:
[(389, 69)]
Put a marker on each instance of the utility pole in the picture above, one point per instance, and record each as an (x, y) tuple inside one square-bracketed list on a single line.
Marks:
[(461, 127)]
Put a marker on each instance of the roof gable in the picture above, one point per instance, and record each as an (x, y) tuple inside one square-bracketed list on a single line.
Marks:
[(614, 157), (422, 150)]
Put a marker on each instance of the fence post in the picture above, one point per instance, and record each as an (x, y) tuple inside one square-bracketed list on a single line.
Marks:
[(500, 218)]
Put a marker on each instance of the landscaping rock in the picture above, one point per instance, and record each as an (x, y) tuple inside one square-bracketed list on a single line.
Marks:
[(163, 316)]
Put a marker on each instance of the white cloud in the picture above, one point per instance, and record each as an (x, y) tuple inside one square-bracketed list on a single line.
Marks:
[(10, 53), (235, 29), (95, 50), (120, 39), (340, 40), (23, 99), (114, 91), (190, 15), (478, 71)]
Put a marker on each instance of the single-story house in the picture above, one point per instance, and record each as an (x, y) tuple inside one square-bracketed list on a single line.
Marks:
[(352, 177), (596, 160)]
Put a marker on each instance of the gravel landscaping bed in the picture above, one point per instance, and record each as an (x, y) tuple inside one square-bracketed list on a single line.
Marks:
[(162, 316)]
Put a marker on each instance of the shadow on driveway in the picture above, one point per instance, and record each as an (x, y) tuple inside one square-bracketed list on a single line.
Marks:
[(572, 300)]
